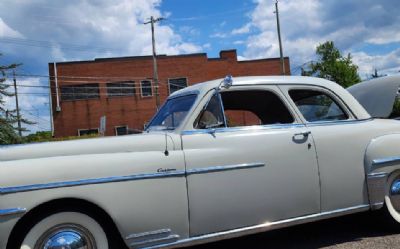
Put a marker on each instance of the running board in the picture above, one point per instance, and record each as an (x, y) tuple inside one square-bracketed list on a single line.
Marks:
[(259, 228)]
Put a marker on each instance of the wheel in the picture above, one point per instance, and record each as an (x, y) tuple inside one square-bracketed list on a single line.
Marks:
[(69, 230), (392, 196)]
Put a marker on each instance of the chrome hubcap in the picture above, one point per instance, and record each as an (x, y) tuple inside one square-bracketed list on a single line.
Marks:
[(395, 194), (66, 236)]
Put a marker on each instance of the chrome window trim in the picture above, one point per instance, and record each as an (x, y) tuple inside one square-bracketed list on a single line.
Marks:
[(338, 122), (386, 160), (331, 93), (242, 128), (193, 92), (261, 227), (136, 177), (222, 109), (12, 211)]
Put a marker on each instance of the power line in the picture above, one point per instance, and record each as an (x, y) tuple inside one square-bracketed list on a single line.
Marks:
[(49, 44), (82, 77), (219, 14), (77, 86)]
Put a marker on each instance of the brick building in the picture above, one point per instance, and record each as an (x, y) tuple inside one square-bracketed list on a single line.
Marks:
[(121, 89)]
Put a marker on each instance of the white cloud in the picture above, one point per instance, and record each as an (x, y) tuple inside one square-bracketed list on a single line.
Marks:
[(207, 45), (101, 27), (243, 30), (219, 35), (305, 24), (385, 64), (6, 31), (239, 42)]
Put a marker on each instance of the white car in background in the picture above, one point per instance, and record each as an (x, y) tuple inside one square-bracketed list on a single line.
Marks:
[(221, 159)]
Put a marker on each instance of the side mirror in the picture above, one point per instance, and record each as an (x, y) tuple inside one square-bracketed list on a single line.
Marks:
[(226, 82)]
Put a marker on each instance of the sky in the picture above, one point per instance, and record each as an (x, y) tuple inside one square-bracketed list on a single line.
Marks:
[(36, 32)]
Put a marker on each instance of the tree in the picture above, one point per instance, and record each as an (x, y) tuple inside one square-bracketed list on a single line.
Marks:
[(8, 133), (333, 66), (376, 75)]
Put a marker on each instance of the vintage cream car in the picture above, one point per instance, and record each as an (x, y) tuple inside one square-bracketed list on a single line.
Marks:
[(221, 159)]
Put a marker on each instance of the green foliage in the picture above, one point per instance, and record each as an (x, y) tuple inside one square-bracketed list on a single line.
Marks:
[(40, 136), (333, 66), (8, 134), (8, 118), (396, 109)]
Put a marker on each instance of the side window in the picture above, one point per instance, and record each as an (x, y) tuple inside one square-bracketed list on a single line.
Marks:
[(212, 116), (241, 118), (245, 108), (254, 107), (317, 106)]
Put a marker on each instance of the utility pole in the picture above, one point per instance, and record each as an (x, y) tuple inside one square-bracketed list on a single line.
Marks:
[(279, 37), (155, 73), (17, 105)]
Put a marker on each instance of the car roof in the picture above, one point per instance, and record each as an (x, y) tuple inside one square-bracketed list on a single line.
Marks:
[(350, 101), (260, 80)]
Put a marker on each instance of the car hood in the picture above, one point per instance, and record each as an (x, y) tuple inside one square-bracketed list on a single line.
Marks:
[(130, 143), (377, 96)]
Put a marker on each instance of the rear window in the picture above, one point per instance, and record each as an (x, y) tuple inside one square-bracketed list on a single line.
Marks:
[(317, 106)]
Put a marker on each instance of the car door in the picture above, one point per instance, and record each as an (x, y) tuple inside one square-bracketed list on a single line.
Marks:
[(340, 140), (249, 161)]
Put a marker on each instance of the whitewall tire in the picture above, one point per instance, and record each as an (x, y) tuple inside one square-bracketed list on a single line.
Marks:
[(392, 196), (70, 229)]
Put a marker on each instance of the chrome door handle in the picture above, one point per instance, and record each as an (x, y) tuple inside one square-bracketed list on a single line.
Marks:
[(304, 134)]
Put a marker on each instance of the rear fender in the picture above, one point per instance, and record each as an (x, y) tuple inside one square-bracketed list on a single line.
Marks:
[(382, 158)]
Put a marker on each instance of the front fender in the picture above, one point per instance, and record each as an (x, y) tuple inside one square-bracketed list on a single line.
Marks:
[(382, 158)]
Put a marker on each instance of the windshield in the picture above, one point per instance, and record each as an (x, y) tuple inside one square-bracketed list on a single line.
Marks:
[(172, 113)]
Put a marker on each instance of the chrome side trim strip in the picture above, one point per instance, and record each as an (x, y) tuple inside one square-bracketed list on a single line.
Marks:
[(243, 128), (377, 175), (376, 189), (154, 242), (386, 160), (160, 232), (12, 211), (261, 228), (92, 181), (53, 185), (224, 168)]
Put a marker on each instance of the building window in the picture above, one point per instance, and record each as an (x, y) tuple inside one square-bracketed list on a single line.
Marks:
[(84, 132), (77, 92), (121, 130), (176, 84), (145, 85), (126, 88)]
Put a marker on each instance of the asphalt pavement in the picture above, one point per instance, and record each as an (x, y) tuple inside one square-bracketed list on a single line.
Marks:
[(364, 230)]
